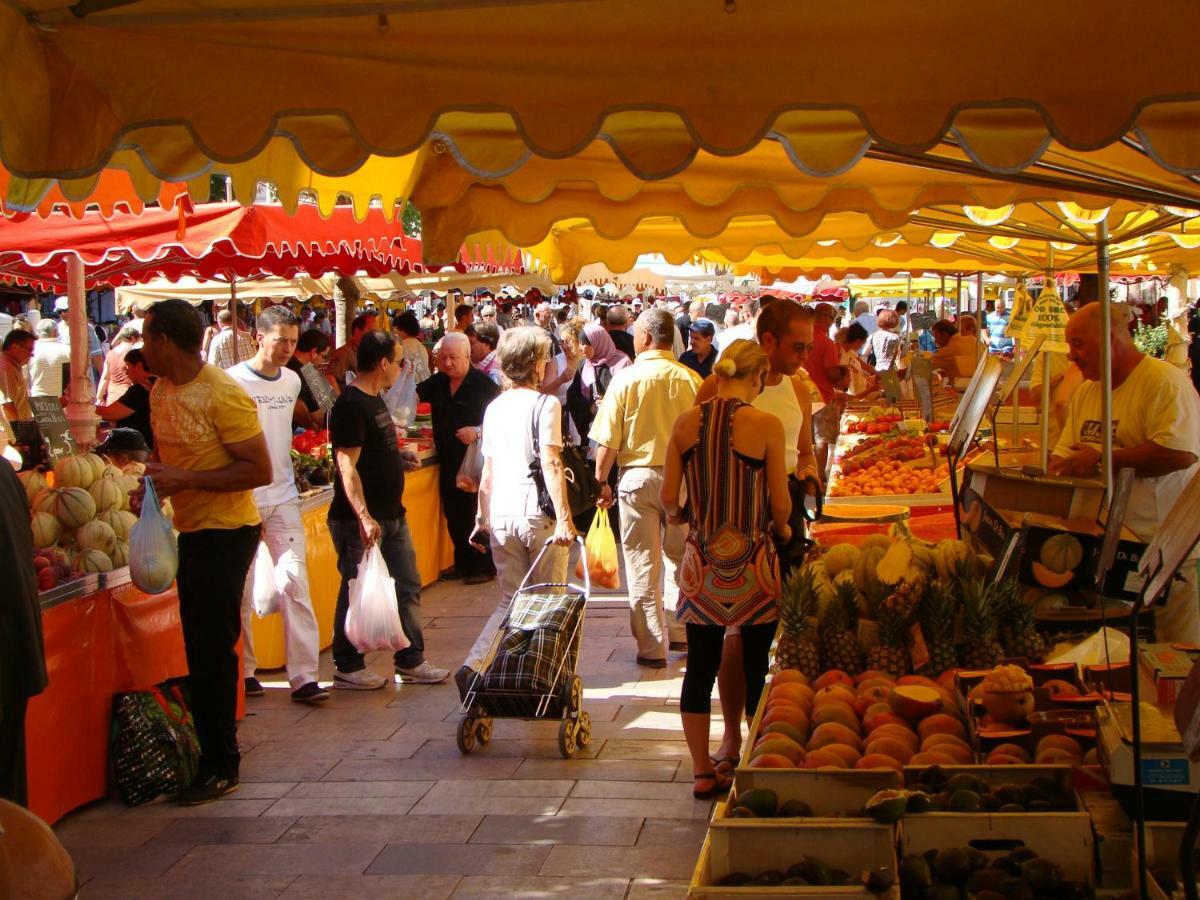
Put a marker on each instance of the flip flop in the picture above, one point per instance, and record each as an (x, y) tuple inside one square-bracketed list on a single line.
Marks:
[(721, 784)]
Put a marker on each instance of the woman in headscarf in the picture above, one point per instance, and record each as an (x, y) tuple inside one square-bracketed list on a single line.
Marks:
[(602, 360)]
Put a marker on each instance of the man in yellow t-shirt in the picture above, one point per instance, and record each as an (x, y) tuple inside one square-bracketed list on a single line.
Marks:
[(210, 453)]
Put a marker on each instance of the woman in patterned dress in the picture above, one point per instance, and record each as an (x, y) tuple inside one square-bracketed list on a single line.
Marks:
[(732, 458)]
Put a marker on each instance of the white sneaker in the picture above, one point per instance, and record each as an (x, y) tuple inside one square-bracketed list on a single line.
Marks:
[(362, 680), (422, 674)]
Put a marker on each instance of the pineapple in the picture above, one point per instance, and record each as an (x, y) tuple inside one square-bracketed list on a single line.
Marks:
[(839, 631), (939, 622), (980, 649), (1019, 633), (798, 605), (894, 616)]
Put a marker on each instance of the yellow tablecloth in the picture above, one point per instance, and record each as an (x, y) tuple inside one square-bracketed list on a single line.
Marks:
[(434, 551)]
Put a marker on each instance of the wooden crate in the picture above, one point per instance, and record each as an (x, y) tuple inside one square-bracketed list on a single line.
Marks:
[(1162, 849), (1068, 843), (756, 846), (828, 792)]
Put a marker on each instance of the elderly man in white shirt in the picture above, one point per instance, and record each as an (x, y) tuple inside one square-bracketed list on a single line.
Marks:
[(46, 365)]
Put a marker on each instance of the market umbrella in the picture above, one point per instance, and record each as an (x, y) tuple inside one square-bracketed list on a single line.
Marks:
[(168, 77), (213, 241)]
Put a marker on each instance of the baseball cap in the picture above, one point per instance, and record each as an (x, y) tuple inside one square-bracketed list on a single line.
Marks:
[(704, 327)]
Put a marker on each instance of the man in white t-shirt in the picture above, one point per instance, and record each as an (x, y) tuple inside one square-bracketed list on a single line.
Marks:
[(1156, 432), (274, 388)]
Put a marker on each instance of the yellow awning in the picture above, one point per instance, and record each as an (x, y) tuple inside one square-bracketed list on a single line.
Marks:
[(659, 81)]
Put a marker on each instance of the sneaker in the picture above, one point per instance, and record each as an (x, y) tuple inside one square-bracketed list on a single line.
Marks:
[(206, 790), (422, 674), (481, 578), (362, 680), (464, 678), (254, 687), (310, 693)]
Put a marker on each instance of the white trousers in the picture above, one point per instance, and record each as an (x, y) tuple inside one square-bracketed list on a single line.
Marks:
[(283, 532), (653, 553), (515, 545)]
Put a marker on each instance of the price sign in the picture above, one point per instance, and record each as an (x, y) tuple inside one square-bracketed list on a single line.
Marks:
[(319, 386), (890, 382), (52, 422), (920, 370)]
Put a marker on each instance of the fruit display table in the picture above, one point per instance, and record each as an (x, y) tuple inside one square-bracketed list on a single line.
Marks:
[(431, 541)]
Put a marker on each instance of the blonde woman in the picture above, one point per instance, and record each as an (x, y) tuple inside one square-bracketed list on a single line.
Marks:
[(732, 457)]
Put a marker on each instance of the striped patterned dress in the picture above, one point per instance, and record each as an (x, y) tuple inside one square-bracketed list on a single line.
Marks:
[(730, 573)]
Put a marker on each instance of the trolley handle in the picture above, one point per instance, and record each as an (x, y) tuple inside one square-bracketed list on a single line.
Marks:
[(587, 577)]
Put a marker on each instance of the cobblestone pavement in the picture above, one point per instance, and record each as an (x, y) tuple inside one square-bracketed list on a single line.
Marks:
[(369, 797)]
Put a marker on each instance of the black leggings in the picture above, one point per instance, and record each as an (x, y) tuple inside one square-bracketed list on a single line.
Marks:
[(704, 659)]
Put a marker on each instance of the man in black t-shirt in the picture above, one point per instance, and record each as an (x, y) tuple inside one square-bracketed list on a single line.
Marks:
[(312, 348), (133, 409), (367, 509)]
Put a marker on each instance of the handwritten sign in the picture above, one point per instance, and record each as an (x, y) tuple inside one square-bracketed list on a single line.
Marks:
[(52, 422), (319, 386)]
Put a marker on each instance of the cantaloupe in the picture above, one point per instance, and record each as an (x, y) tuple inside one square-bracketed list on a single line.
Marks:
[(74, 507), (866, 575), (74, 471), (46, 530), (1061, 553), (121, 521), (45, 500), (135, 468), (93, 561), (33, 480), (840, 557), (120, 555), (96, 535), (97, 464), (107, 493)]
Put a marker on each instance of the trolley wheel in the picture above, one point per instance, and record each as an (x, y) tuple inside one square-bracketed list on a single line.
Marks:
[(583, 731), (483, 731), (566, 738), (466, 735), (575, 698)]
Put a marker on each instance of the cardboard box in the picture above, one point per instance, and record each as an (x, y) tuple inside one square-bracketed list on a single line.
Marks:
[(991, 527), (745, 845), (1168, 667), (1069, 843), (1162, 850), (1008, 488), (827, 792)]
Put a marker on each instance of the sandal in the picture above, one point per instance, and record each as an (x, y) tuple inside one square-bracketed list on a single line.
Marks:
[(725, 764), (720, 785)]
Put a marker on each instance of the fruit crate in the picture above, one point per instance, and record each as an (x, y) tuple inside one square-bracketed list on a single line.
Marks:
[(1069, 843), (827, 792), (1162, 851), (755, 847)]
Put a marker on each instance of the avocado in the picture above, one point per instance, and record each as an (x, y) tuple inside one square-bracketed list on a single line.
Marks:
[(978, 858), (919, 802), (886, 807), (915, 873), (1008, 793), (986, 880), (941, 800), (987, 895), (952, 866), (1040, 806), (989, 802), (964, 801), (1044, 784), (935, 777), (795, 809), (839, 877), (1011, 808), (965, 782), (811, 870), (741, 812), (944, 892), (795, 881), (1041, 875), (761, 801), (734, 879), (770, 878), (1020, 855), (1016, 889), (878, 881)]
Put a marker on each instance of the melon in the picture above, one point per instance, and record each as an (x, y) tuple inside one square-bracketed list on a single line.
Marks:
[(74, 471), (97, 464), (34, 481), (120, 555), (128, 484), (866, 575), (45, 501), (107, 493), (121, 521), (875, 540), (948, 555), (1061, 553), (46, 529), (135, 468), (96, 535), (75, 507), (93, 561), (840, 557)]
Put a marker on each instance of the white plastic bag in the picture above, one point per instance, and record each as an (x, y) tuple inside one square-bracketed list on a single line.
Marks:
[(373, 619), (401, 398), (264, 585), (1105, 646), (153, 553), (470, 473)]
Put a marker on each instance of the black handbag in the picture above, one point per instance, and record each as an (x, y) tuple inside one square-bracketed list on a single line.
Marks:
[(583, 490)]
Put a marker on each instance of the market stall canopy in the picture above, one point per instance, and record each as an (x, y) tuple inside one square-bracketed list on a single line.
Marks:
[(344, 81), (220, 240)]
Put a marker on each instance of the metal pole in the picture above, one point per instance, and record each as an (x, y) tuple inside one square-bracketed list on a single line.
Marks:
[(1106, 462), (1044, 415), (979, 311)]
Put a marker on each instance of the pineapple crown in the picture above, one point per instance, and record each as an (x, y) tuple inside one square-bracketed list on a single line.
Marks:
[(939, 610), (798, 601)]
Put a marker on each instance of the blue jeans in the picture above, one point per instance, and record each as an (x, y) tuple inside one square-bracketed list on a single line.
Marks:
[(397, 548)]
